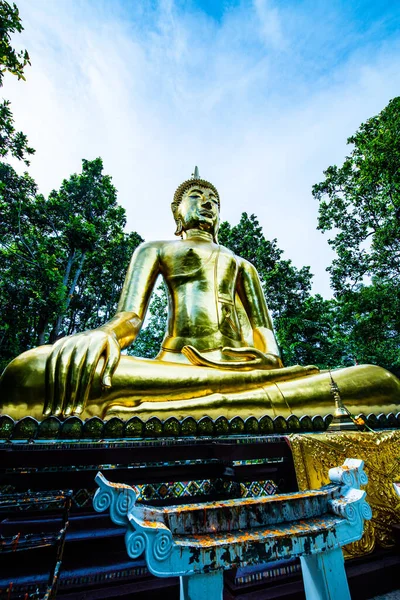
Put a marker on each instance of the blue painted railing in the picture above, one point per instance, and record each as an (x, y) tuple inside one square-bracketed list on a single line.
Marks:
[(198, 541)]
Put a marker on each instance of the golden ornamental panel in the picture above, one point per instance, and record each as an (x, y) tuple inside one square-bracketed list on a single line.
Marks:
[(315, 454)]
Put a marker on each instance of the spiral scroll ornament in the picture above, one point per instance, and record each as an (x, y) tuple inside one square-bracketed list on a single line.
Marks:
[(125, 500), (366, 511), (162, 545), (363, 477), (351, 513), (135, 543), (102, 499), (348, 479)]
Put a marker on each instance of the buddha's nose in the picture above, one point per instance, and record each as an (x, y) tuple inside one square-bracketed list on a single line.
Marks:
[(206, 204)]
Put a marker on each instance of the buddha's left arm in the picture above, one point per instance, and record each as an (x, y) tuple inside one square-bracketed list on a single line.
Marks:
[(253, 300)]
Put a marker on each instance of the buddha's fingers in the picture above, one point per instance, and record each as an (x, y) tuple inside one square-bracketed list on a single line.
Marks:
[(198, 359), (61, 377), (77, 364), (50, 377), (249, 354), (86, 379), (111, 362), (195, 357), (255, 357)]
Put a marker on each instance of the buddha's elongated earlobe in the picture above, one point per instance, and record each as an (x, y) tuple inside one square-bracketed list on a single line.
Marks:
[(179, 228)]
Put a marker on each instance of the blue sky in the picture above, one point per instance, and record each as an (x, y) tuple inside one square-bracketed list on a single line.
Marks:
[(260, 94)]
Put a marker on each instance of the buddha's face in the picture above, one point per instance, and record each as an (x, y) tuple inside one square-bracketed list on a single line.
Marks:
[(199, 209)]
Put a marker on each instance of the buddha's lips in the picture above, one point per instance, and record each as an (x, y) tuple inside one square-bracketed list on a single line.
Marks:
[(206, 213)]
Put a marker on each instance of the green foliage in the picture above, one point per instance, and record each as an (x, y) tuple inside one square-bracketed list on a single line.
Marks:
[(360, 202), (10, 60), (99, 286), (314, 335), (62, 260), (369, 323), (18, 271), (12, 142), (148, 342)]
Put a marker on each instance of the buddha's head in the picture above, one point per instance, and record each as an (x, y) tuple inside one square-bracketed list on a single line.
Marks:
[(196, 206)]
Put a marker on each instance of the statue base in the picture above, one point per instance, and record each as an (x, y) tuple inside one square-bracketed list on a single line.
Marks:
[(172, 459)]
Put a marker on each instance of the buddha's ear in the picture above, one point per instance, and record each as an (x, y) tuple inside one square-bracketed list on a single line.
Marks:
[(179, 227)]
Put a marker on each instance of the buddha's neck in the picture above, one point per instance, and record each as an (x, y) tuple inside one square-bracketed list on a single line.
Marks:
[(198, 234)]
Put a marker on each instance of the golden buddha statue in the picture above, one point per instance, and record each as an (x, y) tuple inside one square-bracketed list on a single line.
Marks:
[(219, 354)]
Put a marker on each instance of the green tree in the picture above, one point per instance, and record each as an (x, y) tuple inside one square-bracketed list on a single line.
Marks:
[(11, 61), (15, 191), (18, 269), (84, 215), (148, 342), (368, 321), (62, 260), (99, 286), (316, 335), (12, 143), (360, 203)]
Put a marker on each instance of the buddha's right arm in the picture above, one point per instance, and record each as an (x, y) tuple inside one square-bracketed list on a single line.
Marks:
[(132, 306), (72, 363), (124, 327), (138, 285)]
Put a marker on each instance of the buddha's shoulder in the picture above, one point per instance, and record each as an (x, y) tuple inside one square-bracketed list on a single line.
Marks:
[(158, 245), (176, 245), (242, 263), (245, 264), (163, 247)]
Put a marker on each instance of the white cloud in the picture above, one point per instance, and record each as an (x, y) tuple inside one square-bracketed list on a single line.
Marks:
[(154, 92)]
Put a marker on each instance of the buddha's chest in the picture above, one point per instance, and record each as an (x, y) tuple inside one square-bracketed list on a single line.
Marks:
[(208, 265)]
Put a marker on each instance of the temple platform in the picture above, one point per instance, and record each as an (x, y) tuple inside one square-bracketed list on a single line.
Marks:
[(171, 462)]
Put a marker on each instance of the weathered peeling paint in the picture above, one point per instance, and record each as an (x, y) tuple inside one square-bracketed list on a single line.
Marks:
[(202, 538)]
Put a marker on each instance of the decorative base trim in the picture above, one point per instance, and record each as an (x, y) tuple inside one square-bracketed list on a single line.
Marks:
[(73, 428)]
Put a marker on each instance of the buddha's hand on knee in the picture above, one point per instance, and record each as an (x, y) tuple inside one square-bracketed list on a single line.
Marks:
[(71, 366), (246, 359)]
